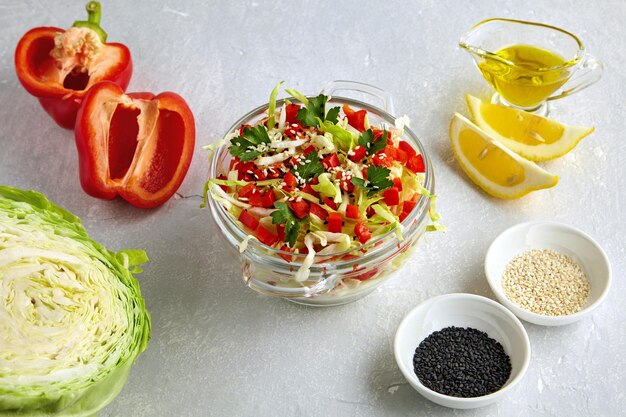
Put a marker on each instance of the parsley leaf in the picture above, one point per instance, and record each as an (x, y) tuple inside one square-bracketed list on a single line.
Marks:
[(311, 168), (332, 115), (367, 141), (377, 180), (246, 146), (316, 107), (283, 214)]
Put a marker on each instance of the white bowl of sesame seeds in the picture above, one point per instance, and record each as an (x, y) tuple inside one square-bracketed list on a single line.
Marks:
[(548, 273)]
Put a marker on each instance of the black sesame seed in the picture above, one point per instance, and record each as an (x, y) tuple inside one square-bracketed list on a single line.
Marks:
[(461, 362)]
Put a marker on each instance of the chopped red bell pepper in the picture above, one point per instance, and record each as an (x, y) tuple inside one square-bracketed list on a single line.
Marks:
[(58, 66), (290, 181), (309, 190), (265, 200), (397, 183), (233, 163), (265, 236), (379, 132), (330, 203), (401, 156), (248, 220), (331, 161), (345, 181), (352, 211), (406, 147), (245, 170), (357, 154), (300, 208), (138, 145), (242, 128), (294, 131), (391, 152), (408, 206), (286, 248), (226, 188), (291, 111), (369, 274), (334, 222), (258, 174), (416, 164), (309, 149), (247, 190), (392, 197), (280, 231), (318, 211), (362, 232), (356, 119), (274, 171), (382, 159)]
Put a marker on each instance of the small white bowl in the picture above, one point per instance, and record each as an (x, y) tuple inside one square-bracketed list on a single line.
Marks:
[(561, 238), (462, 310)]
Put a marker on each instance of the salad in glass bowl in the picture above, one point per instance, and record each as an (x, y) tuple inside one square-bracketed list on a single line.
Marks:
[(323, 196)]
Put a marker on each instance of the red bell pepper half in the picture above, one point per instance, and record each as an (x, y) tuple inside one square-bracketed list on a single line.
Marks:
[(138, 145), (58, 66)]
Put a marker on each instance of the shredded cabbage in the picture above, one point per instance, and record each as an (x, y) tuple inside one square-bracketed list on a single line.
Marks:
[(343, 139), (327, 188), (298, 95), (271, 109), (403, 121), (323, 144), (305, 269), (244, 243), (383, 212)]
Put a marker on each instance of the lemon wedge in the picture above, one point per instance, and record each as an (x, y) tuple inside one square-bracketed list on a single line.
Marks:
[(533, 137), (493, 167)]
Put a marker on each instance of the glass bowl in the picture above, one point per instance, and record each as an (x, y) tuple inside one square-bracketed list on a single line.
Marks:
[(343, 277)]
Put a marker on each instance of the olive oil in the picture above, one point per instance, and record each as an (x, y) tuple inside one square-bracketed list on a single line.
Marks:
[(535, 75)]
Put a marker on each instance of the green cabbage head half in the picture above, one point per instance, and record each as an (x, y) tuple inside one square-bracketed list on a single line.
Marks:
[(72, 320)]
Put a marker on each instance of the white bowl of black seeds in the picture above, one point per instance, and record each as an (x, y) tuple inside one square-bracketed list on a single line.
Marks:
[(548, 273), (462, 350)]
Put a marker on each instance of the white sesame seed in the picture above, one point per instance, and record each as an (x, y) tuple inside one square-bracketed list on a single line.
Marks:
[(546, 282)]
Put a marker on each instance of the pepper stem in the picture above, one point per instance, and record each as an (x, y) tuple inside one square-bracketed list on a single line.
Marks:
[(94, 13)]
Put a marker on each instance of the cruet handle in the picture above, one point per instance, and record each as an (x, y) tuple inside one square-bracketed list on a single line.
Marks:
[(588, 73)]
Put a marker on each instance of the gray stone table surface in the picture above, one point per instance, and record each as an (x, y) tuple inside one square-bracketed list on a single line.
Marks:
[(218, 348)]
